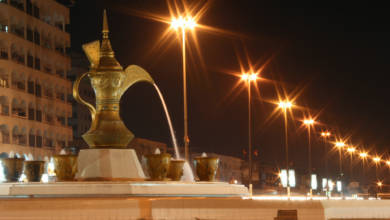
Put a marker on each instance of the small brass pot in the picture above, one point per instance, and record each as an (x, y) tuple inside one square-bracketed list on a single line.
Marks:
[(12, 168), (206, 168), (33, 169), (158, 166), (65, 167), (176, 170)]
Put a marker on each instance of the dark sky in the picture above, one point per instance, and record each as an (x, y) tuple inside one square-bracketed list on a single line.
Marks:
[(337, 54)]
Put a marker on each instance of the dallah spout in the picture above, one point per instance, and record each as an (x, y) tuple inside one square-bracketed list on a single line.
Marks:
[(134, 74)]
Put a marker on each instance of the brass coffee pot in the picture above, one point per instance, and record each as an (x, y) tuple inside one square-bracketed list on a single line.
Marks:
[(109, 82)]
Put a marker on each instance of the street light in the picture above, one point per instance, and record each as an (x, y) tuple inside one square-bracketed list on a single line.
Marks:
[(376, 160), (340, 145), (379, 184), (325, 135), (363, 155), (184, 23), (351, 150), (309, 123), (248, 78), (284, 105)]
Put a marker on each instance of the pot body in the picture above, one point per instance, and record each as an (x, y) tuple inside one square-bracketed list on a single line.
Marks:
[(176, 170), (158, 166), (206, 168), (12, 168), (33, 169), (65, 167)]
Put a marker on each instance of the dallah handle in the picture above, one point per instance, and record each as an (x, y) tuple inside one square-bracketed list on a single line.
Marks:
[(76, 96)]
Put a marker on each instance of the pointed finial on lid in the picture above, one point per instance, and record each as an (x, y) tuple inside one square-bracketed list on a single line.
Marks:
[(105, 25), (107, 59)]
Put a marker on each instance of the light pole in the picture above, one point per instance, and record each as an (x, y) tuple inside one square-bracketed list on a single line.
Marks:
[(363, 155), (340, 145), (284, 105), (309, 123), (376, 161), (325, 135), (187, 23), (379, 184), (351, 150), (248, 78)]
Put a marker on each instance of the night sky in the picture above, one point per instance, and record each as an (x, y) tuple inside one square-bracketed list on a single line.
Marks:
[(337, 55)]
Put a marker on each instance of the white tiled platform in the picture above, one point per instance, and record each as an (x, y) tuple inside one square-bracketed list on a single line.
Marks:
[(168, 201), (145, 188)]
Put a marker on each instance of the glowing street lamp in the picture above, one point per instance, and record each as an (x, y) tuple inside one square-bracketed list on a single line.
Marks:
[(284, 106), (325, 135), (184, 23), (340, 144), (309, 123), (363, 155), (376, 160), (248, 78)]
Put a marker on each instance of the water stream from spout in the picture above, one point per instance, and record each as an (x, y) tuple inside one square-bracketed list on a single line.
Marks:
[(173, 136), (187, 171)]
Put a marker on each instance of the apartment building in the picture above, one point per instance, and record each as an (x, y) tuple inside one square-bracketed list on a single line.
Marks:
[(34, 89)]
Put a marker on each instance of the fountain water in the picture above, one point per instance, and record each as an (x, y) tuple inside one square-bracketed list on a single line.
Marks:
[(173, 136), (187, 171)]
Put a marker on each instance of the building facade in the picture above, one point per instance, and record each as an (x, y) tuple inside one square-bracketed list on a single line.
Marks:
[(34, 89)]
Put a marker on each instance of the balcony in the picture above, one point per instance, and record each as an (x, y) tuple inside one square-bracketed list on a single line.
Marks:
[(18, 58), (18, 85), (18, 31), (17, 4)]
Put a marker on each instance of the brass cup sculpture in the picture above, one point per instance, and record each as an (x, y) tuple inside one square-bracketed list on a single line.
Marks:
[(12, 168), (110, 82), (33, 169), (206, 168), (65, 167), (176, 170), (158, 166)]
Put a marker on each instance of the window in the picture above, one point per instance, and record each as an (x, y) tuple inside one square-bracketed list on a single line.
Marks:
[(37, 63), (37, 37), (30, 87), (31, 140), (39, 141), (30, 60), (30, 35), (38, 90), (31, 113)]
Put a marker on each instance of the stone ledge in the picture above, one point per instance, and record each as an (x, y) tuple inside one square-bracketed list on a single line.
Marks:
[(142, 188)]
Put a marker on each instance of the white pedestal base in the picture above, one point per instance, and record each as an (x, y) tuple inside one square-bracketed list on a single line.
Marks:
[(109, 164)]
